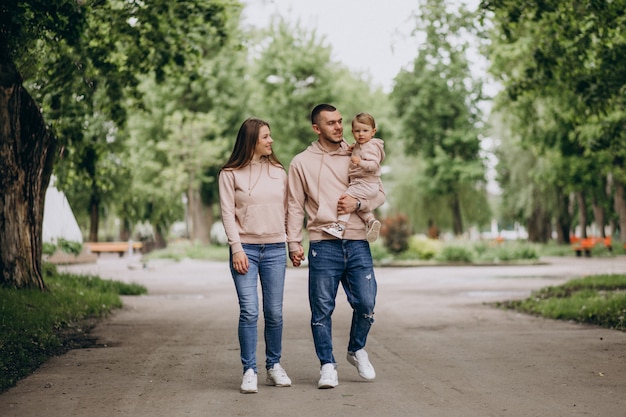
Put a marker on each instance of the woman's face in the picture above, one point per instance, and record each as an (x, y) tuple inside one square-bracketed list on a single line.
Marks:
[(263, 143)]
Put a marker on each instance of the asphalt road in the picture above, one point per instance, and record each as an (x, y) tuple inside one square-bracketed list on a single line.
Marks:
[(438, 346)]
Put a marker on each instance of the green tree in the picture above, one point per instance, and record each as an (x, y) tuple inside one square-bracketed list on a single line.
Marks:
[(570, 54), (294, 72), (71, 52), (183, 135), (437, 102)]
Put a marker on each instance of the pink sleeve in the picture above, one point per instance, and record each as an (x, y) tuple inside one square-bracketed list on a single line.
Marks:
[(227, 205)]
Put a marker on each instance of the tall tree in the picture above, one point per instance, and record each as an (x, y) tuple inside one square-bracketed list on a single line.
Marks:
[(87, 48), (573, 53), (180, 139), (295, 72), (437, 102)]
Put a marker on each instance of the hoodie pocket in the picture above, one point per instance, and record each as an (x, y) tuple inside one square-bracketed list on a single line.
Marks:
[(264, 219)]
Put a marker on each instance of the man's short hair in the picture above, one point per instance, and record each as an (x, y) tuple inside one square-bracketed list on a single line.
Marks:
[(320, 108)]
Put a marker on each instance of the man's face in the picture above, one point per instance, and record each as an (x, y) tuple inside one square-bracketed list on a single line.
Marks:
[(329, 126)]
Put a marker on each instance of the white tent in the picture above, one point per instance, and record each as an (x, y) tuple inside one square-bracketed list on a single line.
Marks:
[(58, 218)]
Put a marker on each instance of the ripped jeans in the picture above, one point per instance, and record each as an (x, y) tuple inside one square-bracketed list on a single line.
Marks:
[(348, 262)]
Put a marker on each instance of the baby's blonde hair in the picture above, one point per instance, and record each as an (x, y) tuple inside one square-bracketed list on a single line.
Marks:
[(365, 118)]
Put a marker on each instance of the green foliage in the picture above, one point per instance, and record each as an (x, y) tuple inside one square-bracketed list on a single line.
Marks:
[(83, 63), (48, 248), (189, 250), (35, 325), (380, 254), (64, 245), (294, 72), (560, 66), (599, 300), (437, 102), (75, 248), (422, 248), (456, 253)]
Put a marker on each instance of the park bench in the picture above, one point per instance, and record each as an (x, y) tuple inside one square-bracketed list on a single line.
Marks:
[(113, 247), (585, 245)]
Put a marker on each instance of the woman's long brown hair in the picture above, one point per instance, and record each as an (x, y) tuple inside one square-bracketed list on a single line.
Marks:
[(247, 137)]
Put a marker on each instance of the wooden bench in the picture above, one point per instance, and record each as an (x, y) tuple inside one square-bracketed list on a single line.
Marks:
[(113, 247), (585, 245)]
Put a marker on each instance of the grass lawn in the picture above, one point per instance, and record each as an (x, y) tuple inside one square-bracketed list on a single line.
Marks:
[(35, 325)]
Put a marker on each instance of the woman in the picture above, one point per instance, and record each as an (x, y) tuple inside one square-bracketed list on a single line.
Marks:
[(253, 186)]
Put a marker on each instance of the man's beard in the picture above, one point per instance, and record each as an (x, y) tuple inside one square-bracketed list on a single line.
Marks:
[(333, 140)]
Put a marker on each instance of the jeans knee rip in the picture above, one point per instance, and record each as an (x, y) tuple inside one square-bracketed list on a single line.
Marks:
[(368, 276)]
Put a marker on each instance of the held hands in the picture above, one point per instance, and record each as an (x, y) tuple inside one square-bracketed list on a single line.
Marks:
[(240, 262), (297, 257), (346, 204)]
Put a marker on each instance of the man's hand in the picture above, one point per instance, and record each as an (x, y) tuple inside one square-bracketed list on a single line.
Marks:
[(297, 257), (346, 204)]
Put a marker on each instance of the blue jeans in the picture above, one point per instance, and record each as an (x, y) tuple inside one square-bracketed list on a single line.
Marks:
[(268, 262), (348, 262)]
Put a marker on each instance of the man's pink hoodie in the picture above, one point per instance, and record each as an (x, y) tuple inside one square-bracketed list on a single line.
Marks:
[(317, 178)]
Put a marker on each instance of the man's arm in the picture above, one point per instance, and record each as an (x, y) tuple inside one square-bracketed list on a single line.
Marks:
[(295, 215)]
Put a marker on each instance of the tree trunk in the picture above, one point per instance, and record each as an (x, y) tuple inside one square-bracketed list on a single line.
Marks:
[(582, 213), (457, 218), (200, 216), (26, 158), (563, 219), (599, 216), (538, 225), (125, 230), (94, 218), (620, 208), (159, 239)]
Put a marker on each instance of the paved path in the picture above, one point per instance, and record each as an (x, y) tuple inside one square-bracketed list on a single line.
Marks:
[(439, 350)]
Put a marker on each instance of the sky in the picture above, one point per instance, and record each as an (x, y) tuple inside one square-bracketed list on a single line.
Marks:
[(372, 37)]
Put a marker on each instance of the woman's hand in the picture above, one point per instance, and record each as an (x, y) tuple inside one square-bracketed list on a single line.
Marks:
[(240, 262), (297, 257)]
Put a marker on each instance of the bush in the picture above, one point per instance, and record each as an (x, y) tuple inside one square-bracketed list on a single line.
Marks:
[(506, 251), (456, 253), (422, 248), (67, 246), (396, 232), (48, 248), (63, 245), (379, 252)]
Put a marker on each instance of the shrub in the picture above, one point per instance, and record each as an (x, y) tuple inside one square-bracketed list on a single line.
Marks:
[(379, 252), (456, 253), (67, 246), (396, 232), (422, 248), (48, 248)]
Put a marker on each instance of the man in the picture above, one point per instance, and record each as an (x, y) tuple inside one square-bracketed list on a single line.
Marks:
[(318, 178)]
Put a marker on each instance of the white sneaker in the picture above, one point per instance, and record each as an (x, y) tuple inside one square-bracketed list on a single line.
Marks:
[(362, 363), (277, 376), (248, 384), (328, 376), (335, 230), (373, 228)]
